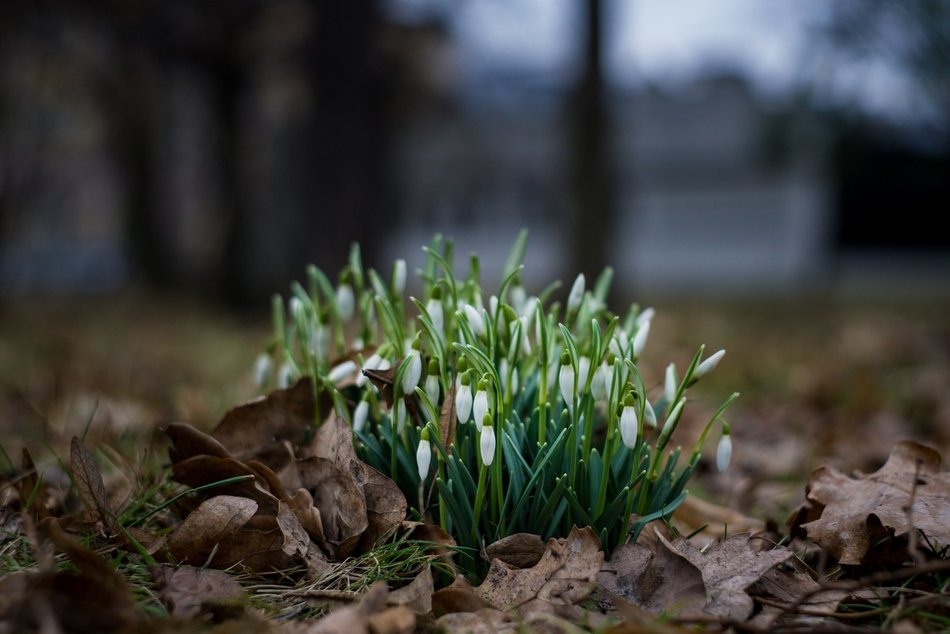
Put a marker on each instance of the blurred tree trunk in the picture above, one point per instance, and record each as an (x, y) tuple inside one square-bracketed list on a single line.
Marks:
[(590, 162)]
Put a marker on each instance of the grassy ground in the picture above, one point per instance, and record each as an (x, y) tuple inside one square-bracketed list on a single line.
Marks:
[(822, 380)]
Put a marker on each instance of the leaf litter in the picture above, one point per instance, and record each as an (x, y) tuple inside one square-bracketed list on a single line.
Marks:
[(281, 518)]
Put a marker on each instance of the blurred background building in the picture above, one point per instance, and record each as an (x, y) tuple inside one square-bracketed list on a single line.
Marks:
[(220, 146)]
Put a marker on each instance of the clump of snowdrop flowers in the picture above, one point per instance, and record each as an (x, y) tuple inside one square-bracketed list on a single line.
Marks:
[(496, 412)]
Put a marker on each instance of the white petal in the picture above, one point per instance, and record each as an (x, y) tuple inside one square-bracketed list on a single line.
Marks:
[(645, 316), (724, 453), (649, 415), (463, 403), (475, 321), (583, 369), (628, 426), (432, 388), (399, 277), (566, 382), (359, 415), (423, 458), (341, 371), (480, 406), (487, 445), (640, 339), (344, 301), (436, 315), (410, 379), (708, 365), (262, 366), (598, 385), (576, 295), (669, 384)]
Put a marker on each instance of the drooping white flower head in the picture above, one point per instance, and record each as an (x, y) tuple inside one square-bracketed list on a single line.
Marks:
[(487, 442), (475, 320), (463, 398), (583, 370), (517, 297), (340, 371), (645, 316), (649, 415), (262, 368), (399, 415), (480, 404), (345, 301), (598, 384), (708, 365), (372, 363), (399, 277), (566, 380), (640, 339), (434, 308), (628, 423), (724, 451), (525, 344), (669, 384), (424, 455), (285, 375), (410, 378), (432, 382), (619, 344), (576, 295), (360, 414)]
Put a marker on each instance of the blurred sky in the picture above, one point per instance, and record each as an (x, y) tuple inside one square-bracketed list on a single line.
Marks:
[(663, 41)]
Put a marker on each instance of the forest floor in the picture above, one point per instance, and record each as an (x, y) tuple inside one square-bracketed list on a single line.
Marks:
[(824, 382)]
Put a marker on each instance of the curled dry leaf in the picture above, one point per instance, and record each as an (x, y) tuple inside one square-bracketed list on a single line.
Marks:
[(183, 589), (250, 431), (521, 550), (460, 596), (565, 574), (850, 517), (382, 380), (341, 504), (417, 596), (727, 569), (89, 484), (369, 615)]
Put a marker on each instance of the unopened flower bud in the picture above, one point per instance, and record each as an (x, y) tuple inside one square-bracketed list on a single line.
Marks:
[(359, 415), (487, 442), (424, 455), (339, 372), (480, 404), (345, 302), (399, 277), (724, 451), (628, 423), (262, 368), (576, 295), (566, 379), (708, 365)]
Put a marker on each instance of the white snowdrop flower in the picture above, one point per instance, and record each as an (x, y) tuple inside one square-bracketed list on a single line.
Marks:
[(345, 302), (576, 295), (385, 364), (480, 404), (619, 343), (399, 415), (669, 384), (640, 339), (649, 415), (708, 365), (475, 320), (370, 364), (673, 417), (432, 387), (493, 306), (463, 399), (503, 373), (262, 368), (285, 375), (528, 308), (320, 342), (724, 452), (628, 424), (296, 309), (399, 277), (340, 371), (487, 442), (359, 415), (645, 316), (566, 380), (518, 297), (436, 314), (413, 372), (424, 455), (357, 344), (514, 381), (525, 344), (583, 370)]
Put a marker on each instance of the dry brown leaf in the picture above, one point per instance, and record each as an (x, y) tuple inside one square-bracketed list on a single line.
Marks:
[(183, 589), (334, 442), (89, 484), (250, 431), (382, 380), (521, 550), (188, 442), (385, 507), (206, 469), (565, 573), (483, 621), (296, 539), (458, 597), (728, 568), (417, 596), (658, 579), (205, 527), (846, 516), (353, 619), (341, 504), (59, 601)]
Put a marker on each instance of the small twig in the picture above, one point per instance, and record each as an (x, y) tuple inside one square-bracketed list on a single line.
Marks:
[(912, 539)]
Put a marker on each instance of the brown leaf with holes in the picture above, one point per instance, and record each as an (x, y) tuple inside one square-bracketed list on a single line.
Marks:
[(250, 431), (728, 568), (564, 574), (852, 517), (89, 485), (185, 589)]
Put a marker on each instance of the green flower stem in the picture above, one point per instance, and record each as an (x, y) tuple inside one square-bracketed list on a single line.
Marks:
[(479, 501)]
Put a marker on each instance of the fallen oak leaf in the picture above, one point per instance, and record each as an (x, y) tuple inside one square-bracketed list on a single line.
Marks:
[(728, 568), (417, 595), (848, 516), (340, 501), (521, 550)]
